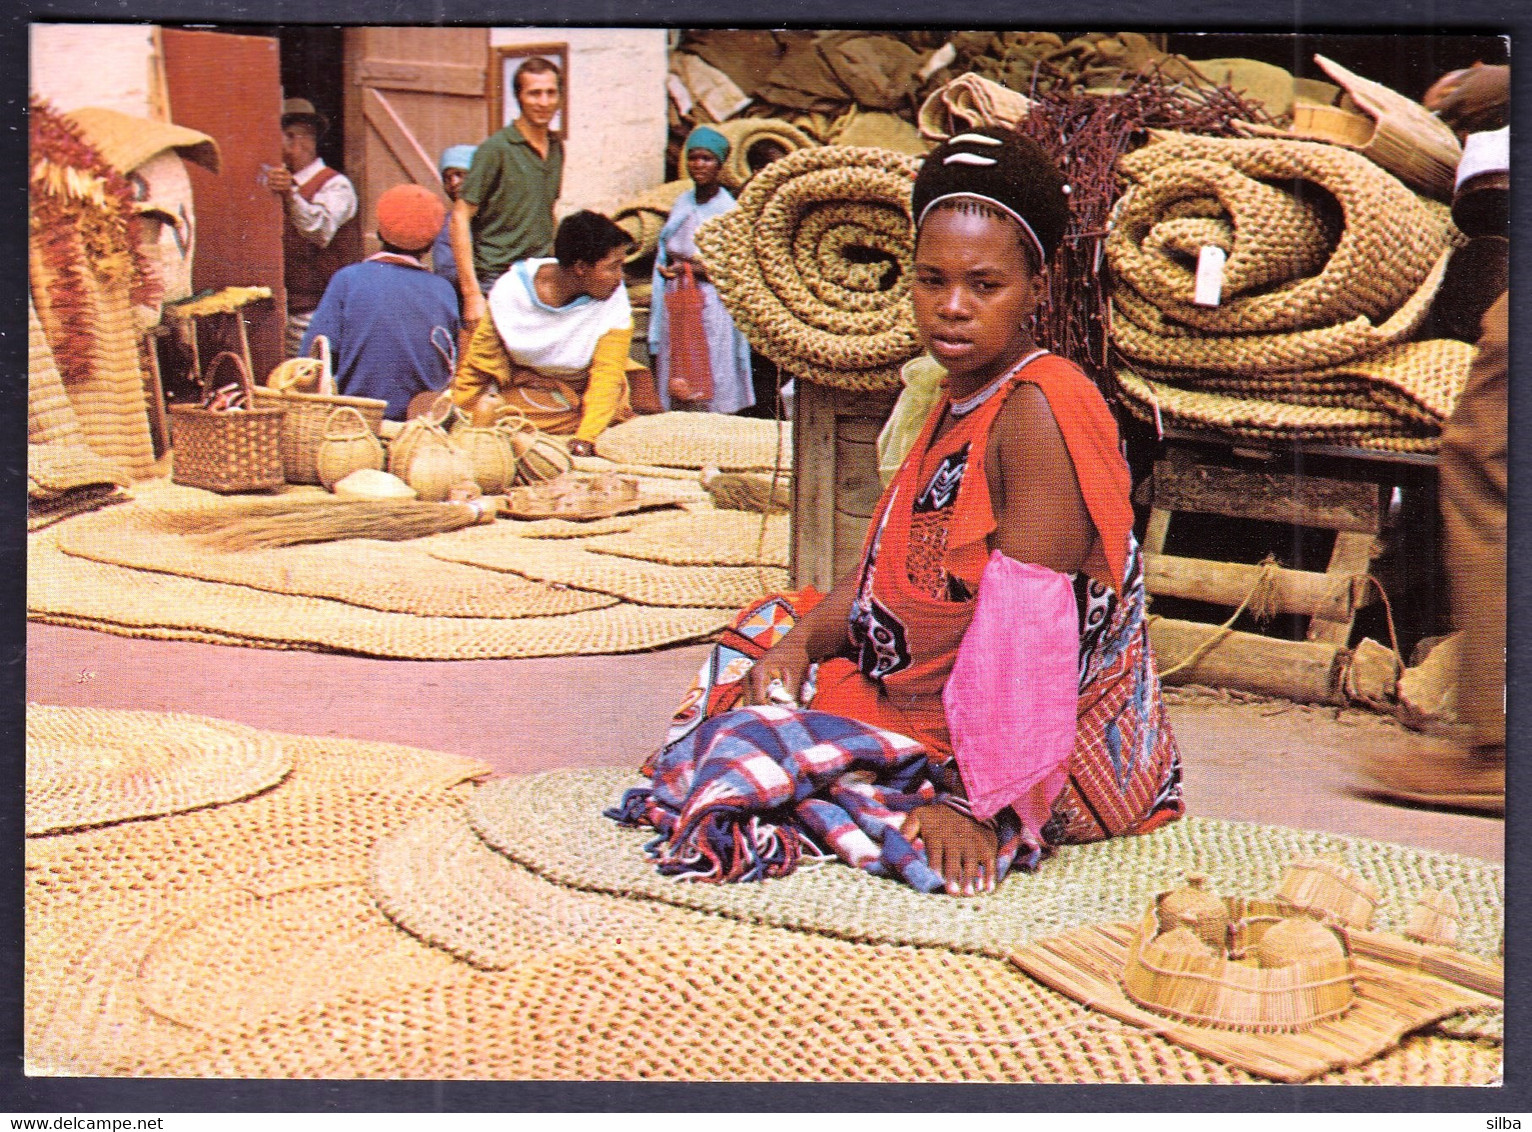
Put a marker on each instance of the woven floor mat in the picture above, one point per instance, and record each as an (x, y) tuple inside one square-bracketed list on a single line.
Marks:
[(701, 538), (97, 900), (699, 440), (89, 767), (552, 824), (671, 479), (65, 590), (45, 513), (647, 583), (438, 881), (387, 576), (789, 1008)]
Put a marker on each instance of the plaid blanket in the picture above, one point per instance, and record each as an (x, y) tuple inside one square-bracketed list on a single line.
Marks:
[(746, 794)]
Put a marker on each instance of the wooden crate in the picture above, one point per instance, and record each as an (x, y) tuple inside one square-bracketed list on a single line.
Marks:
[(1350, 499), (835, 478)]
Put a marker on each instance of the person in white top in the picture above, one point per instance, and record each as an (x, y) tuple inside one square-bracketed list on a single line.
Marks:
[(319, 237)]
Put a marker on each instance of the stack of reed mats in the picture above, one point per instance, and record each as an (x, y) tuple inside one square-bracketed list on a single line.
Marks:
[(661, 576), (373, 914)]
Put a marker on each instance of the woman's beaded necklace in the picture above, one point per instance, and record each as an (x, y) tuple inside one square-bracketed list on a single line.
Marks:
[(967, 405)]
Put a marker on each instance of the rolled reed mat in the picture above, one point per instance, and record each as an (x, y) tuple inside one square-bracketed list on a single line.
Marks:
[(644, 216), (1256, 419), (743, 133), (701, 538), (551, 823), (697, 440), (96, 900), (814, 265), (387, 576), (65, 590), (88, 767), (1087, 964), (631, 579), (50, 416), (437, 880), (1286, 269), (787, 1008)]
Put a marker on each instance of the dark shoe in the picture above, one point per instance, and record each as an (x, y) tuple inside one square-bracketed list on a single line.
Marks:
[(1431, 771)]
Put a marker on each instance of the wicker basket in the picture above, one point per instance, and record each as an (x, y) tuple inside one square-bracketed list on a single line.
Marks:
[(1219, 990), (227, 452), (308, 415)]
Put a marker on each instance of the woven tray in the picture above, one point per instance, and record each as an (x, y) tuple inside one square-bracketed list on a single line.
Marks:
[(87, 767)]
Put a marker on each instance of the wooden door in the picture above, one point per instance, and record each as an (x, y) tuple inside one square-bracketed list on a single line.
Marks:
[(230, 87), (411, 92)]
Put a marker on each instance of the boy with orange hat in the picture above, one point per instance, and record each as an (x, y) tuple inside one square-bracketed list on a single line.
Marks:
[(391, 322)]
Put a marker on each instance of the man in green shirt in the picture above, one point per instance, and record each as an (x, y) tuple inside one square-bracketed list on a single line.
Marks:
[(504, 210)]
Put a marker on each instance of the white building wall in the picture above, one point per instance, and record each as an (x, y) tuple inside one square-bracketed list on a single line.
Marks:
[(75, 65), (616, 129)]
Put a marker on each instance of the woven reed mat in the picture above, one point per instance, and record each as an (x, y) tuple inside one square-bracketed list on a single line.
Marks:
[(53, 469), (1087, 964), (696, 440), (45, 512), (814, 265), (787, 1008), (63, 589), (702, 538), (746, 132), (551, 823), (50, 416), (87, 767), (98, 903), (644, 216), (673, 478), (1302, 289), (647, 583), (394, 577), (440, 882), (1251, 418)]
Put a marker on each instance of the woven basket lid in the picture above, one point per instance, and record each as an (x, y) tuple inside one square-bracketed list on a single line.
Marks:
[(1298, 939), (127, 141), (88, 767)]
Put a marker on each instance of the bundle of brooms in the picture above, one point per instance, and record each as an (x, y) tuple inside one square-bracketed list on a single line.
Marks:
[(267, 523)]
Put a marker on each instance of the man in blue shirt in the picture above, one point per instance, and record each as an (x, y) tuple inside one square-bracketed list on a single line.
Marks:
[(391, 323)]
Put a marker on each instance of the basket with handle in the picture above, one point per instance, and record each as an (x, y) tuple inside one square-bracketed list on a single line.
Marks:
[(227, 451), (349, 444), (308, 415)]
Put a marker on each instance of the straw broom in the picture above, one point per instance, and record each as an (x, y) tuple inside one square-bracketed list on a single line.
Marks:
[(267, 523)]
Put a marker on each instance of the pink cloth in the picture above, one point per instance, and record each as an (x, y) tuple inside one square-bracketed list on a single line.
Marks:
[(1013, 696)]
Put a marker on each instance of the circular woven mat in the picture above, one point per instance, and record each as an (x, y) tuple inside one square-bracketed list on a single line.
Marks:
[(98, 901), (746, 132), (784, 1008), (697, 440), (552, 824), (702, 538), (645, 582), (387, 576), (437, 880), (65, 590), (87, 766)]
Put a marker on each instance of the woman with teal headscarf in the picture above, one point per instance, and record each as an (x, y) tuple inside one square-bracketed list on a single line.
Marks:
[(728, 352)]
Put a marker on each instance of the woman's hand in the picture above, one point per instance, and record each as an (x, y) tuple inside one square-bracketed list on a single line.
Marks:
[(959, 848), (788, 660), (667, 271)]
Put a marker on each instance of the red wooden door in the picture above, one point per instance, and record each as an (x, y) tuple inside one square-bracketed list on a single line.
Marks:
[(230, 86)]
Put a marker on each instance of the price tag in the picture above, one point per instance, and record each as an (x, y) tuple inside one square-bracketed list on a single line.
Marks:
[(1209, 289)]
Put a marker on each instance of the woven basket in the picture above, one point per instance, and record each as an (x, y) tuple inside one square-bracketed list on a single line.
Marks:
[(308, 415), (349, 445), (227, 452)]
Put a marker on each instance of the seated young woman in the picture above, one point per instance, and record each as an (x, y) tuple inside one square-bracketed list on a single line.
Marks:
[(1017, 486), (556, 337)]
